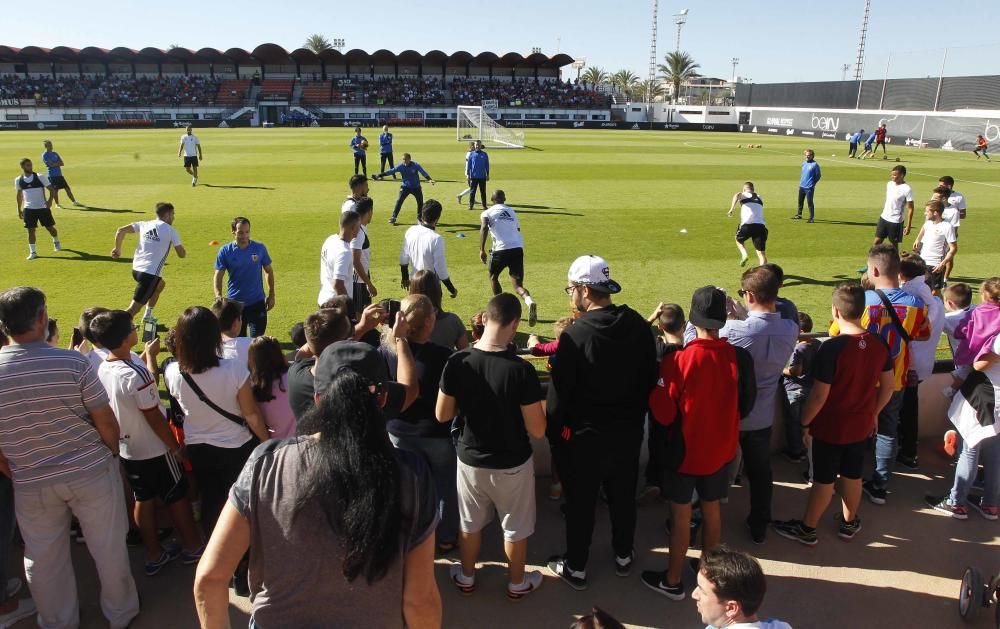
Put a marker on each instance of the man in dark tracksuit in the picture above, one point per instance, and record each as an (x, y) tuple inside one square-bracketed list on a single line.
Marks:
[(602, 374)]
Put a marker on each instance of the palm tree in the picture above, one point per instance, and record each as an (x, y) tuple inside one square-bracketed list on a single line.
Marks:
[(625, 81), (317, 43), (648, 91), (679, 67), (594, 76)]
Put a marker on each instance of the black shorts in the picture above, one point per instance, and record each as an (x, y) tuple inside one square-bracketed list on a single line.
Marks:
[(145, 286), (830, 460), (936, 280), (161, 477), (510, 259), (680, 488), (893, 232), (360, 297), (58, 182), (32, 217), (191, 161), (755, 232)]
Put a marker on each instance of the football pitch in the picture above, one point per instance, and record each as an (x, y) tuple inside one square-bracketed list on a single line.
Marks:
[(652, 203)]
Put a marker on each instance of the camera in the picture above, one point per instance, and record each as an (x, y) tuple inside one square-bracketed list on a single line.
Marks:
[(391, 306)]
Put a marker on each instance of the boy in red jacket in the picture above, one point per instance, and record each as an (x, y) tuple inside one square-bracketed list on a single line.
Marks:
[(703, 391), (852, 380)]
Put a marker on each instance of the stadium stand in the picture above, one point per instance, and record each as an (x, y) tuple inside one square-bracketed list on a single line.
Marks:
[(176, 91), (47, 91), (276, 89), (232, 92)]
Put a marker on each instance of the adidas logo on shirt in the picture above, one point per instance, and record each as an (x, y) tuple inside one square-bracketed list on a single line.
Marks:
[(152, 235)]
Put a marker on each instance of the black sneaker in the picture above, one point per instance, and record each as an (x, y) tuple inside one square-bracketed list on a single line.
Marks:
[(795, 457), (758, 532), (623, 565), (876, 495), (847, 530), (559, 567), (657, 581), (909, 462), (796, 531)]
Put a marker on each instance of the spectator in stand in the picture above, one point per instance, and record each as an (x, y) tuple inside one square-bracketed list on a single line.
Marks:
[(499, 398), (770, 339), (710, 384), (245, 260), (53, 399), (731, 588), (269, 382), (853, 381), (339, 494), (230, 316), (602, 374), (449, 331), (797, 383), (52, 338)]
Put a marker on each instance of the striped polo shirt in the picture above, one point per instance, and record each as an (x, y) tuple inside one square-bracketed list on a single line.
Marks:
[(46, 432)]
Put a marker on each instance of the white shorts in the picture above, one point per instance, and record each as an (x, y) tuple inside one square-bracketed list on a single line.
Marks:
[(509, 492)]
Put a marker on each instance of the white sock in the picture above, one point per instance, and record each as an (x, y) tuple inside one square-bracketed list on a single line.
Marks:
[(528, 300), (55, 241), (517, 586), (148, 314), (32, 249), (464, 580)]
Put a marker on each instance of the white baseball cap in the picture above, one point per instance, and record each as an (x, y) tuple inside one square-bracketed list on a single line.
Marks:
[(593, 271)]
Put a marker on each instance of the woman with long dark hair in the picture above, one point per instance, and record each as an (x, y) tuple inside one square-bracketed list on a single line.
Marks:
[(269, 382), (340, 495), (449, 331)]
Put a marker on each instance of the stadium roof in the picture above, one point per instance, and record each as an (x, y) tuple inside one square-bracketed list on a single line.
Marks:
[(273, 54)]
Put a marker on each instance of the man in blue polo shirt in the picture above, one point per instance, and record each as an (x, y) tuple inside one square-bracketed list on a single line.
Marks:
[(385, 150), (359, 144), (244, 259), (54, 163), (477, 171), (410, 171), (807, 184), (852, 149)]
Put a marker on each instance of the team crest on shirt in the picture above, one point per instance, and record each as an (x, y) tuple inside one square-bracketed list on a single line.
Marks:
[(862, 344), (253, 257)]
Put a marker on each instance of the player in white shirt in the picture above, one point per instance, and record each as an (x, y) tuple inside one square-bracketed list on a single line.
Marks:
[(359, 188), (936, 243), (752, 225), (424, 248), (468, 183), (898, 196), (364, 290), (155, 240), (954, 211), (191, 148), (34, 206), (507, 252), (336, 260)]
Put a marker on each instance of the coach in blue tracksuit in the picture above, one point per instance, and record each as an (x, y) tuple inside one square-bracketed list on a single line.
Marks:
[(410, 171), (477, 171), (807, 184), (359, 151), (385, 150), (855, 139)]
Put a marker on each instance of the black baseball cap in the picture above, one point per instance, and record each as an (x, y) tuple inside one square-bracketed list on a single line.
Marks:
[(367, 362), (708, 308)]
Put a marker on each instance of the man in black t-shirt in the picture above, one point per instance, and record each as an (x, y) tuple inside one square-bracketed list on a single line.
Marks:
[(497, 398), (321, 328)]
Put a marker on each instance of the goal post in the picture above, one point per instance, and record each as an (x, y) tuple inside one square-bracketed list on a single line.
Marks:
[(473, 123)]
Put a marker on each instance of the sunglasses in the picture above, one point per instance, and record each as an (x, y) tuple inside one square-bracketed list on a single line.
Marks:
[(743, 293), (572, 287)]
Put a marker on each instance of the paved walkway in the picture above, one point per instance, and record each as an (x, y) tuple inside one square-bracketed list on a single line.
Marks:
[(902, 570)]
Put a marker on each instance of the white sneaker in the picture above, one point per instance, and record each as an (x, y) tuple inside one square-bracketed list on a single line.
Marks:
[(25, 607), (32, 256), (78, 204), (532, 581), (56, 246), (60, 207), (194, 182), (459, 197)]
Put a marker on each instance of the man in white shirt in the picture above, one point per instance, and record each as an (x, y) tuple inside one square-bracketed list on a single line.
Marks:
[(954, 212), (336, 264), (359, 188), (752, 226), (936, 243), (34, 207), (155, 240), (507, 251), (191, 148), (361, 249), (898, 195), (424, 248)]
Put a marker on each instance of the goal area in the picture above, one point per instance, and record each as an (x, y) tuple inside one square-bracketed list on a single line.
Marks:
[(473, 123)]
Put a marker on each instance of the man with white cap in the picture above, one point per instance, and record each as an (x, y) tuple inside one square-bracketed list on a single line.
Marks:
[(602, 374)]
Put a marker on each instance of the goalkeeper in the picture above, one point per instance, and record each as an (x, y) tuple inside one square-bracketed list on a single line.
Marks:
[(410, 171)]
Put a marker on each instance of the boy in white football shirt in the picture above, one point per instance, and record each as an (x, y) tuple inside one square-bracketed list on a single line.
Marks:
[(954, 211), (936, 243), (507, 252), (336, 265), (155, 240)]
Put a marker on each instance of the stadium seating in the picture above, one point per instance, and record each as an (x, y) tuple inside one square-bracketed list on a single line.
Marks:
[(232, 91), (47, 91), (174, 90), (276, 89), (317, 93)]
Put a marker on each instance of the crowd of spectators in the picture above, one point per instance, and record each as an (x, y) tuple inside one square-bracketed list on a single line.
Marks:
[(526, 93), (52, 92), (407, 92), (167, 90)]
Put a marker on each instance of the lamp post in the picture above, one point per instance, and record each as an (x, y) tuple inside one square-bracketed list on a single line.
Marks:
[(735, 61), (680, 20)]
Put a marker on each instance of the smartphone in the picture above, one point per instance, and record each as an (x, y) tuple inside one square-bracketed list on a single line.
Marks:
[(391, 306), (77, 337), (148, 330)]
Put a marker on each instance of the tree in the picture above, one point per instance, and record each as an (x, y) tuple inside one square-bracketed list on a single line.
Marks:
[(625, 81), (679, 68), (317, 43), (648, 91), (594, 76)]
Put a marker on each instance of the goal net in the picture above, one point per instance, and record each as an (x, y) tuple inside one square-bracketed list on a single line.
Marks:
[(475, 124)]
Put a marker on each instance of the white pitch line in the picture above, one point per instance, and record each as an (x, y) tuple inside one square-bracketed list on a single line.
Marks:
[(840, 161)]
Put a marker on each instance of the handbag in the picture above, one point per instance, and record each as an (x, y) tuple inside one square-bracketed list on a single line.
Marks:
[(212, 405)]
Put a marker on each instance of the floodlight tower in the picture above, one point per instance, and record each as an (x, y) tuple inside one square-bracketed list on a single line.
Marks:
[(651, 81), (680, 20), (735, 61), (843, 71), (859, 64)]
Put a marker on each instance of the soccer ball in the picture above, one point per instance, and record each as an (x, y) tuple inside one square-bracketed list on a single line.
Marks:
[(364, 144), (739, 146)]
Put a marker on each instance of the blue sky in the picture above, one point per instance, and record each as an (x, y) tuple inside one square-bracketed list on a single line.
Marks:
[(774, 40)]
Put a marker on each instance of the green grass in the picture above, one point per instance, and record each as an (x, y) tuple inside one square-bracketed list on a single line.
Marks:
[(624, 195)]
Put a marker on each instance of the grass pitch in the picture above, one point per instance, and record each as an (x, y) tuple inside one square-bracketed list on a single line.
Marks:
[(625, 195)]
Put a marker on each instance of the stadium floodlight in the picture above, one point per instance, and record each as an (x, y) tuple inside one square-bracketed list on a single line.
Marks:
[(536, 50), (338, 44), (473, 123), (680, 19)]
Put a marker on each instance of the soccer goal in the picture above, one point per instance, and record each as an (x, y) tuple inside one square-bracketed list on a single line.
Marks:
[(475, 124)]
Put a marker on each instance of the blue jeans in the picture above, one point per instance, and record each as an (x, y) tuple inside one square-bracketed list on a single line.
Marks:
[(254, 319), (988, 450), (793, 425), (886, 445), (443, 461), (806, 194), (6, 530)]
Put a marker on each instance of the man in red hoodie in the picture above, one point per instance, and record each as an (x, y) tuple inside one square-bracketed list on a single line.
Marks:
[(702, 393)]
